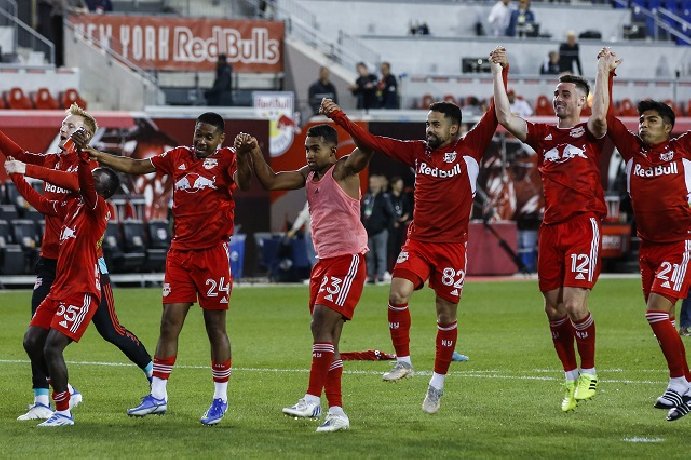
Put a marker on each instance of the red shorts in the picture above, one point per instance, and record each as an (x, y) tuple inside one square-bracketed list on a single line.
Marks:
[(337, 283), (442, 263), (569, 253), (71, 316), (665, 269), (203, 274)]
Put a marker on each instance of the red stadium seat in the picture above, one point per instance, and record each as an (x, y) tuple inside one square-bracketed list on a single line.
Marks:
[(587, 111), (688, 108), (675, 108), (450, 98), (71, 96), (425, 102), (543, 107), (625, 108), (16, 100), (44, 101)]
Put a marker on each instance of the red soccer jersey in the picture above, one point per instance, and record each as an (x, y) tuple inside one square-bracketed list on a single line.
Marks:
[(658, 181), (203, 205), (445, 179), (83, 225), (568, 161)]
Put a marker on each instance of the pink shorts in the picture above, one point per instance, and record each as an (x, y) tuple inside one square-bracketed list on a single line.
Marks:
[(569, 253), (442, 263), (665, 269), (202, 275), (337, 283), (71, 316)]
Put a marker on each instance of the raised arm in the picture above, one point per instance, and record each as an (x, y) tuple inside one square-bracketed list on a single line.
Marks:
[(11, 149), (606, 63), (120, 163), (243, 175), (283, 180), (87, 188), (65, 179), (16, 169), (513, 123)]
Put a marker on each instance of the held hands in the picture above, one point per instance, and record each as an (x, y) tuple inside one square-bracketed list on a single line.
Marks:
[(499, 59), (329, 107), (244, 143), (81, 138), (14, 166), (607, 59)]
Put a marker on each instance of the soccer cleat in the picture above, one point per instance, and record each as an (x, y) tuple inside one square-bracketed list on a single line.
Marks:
[(58, 420), (679, 411), (400, 371), (569, 402), (37, 411), (75, 398), (149, 405), (585, 387), (669, 400), (334, 422), (303, 408), (432, 400), (215, 413), (459, 357)]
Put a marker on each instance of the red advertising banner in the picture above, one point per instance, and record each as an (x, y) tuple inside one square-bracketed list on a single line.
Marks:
[(179, 44)]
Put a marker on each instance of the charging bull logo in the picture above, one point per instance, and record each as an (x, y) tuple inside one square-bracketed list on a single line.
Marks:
[(193, 183), (564, 152), (67, 233)]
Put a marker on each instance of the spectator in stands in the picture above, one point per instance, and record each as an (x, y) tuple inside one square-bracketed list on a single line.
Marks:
[(499, 17), (99, 6), (58, 10), (473, 107), (322, 88), (519, 106), (521, 21), (377, 213), (551, 64), (403, 213), (387, 88), (568, 55), (365, 88), (221, 93), (685, 316), (303, 221)]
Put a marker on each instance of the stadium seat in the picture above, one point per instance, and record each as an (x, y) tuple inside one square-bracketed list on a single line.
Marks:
[(158, 233), (70, 96), (543, 107), (625, 108), (450, 98), (425, 102), (43, 100), (26, 236), (16, 100), (675, 108), (10, 193), (11, 255), (586, 111), (134, 244), (8, 212), (112, 247)]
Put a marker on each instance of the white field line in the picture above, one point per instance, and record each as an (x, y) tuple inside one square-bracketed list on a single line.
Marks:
[(492, 373)]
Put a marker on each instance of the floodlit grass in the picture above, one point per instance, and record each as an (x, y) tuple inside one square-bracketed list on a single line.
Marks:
[(504, 402)]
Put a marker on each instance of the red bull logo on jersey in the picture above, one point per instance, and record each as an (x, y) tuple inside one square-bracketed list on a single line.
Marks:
[(564, 152), (660, 170), (437, 172), (193, 183), (52, 188), (67, 233)]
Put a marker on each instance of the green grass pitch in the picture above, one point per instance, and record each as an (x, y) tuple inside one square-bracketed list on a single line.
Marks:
[(504, 402)]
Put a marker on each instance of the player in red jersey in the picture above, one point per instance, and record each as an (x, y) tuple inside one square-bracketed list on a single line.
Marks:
[(337, 279), (205, 177), (658, 169), (569, 239), (59, 172), (76, 292), (446, 170)]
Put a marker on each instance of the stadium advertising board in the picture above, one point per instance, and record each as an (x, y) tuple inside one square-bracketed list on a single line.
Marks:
[(188, 44)]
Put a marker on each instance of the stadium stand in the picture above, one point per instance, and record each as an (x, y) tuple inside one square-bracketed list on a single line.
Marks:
[(11, 255)]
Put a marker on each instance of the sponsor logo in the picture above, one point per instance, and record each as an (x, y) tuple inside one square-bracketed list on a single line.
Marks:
[(402, 257), (549, 137), (67, 233), (182, 167), (193, 183), (564, 152), (577, 132), (454, 292), (440, 173), (52, 188), (166, 289), (63, 323), (449, 157), (666, 156), (224, 300), (210, 162), (656, 171)]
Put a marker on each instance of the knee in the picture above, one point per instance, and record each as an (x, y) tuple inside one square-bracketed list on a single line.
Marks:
[(398, 297), (31, 343), (576, 310), (552, 311)]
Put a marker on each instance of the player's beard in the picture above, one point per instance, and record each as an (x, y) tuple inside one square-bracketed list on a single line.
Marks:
[(433, 141)]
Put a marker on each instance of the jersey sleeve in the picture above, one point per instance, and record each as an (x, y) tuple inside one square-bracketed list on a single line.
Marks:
[(231, 170), (39, 202), (625, 141), (64, 179), (165, 162), (87, 188), (535, 132), (9, 148), (480, 136)]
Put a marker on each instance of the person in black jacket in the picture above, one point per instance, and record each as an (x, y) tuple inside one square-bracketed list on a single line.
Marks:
[(365, 88), (322, 88), (568, 55), (221, 93), (387, 88), (377, 214), (398, 227)]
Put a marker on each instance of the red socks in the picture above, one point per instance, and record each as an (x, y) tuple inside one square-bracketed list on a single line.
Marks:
[(446, 343), (399, 328), (221, 371), (322, 357), (163, 367), (333, 384), (585, 341), (670, 342), (562, 338), (62, 400)]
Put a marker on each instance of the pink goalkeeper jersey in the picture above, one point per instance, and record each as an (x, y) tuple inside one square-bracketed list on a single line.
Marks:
[(335, 218)]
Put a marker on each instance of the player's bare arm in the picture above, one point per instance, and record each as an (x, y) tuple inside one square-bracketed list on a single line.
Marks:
[(606, 63), (513, 123), (243, 175), (119, 163), (283, 180)]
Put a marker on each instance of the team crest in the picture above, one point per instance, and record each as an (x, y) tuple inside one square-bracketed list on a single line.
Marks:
[(402, 257), (166, 289), (577, 132), (666, 156), (210, 162), (449, 157)]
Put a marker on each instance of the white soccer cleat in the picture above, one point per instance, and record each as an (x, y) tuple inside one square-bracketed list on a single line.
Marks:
[(334, 422), (400, 371), (303, 408), (37, 411), (432, 401), (75, 398), (58, 420)]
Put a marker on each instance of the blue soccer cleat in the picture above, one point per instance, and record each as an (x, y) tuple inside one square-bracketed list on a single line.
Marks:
[(459, 357), (149, 405), (215, 413), (57, 420)]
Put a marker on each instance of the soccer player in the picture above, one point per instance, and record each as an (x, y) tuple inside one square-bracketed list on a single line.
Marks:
[(58, 171), (658, 168), (446, 169), (569, 239), (63, 316), (205, 177), (333, 196)]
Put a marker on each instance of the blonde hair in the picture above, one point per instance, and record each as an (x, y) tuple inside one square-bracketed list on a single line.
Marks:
[(89, 120)]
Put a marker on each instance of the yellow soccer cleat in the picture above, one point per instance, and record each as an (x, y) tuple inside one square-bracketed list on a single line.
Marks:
[(569, 402), (585, 387)]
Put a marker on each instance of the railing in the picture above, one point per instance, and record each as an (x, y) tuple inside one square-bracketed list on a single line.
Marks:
[(658, 16), (28, 36)]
